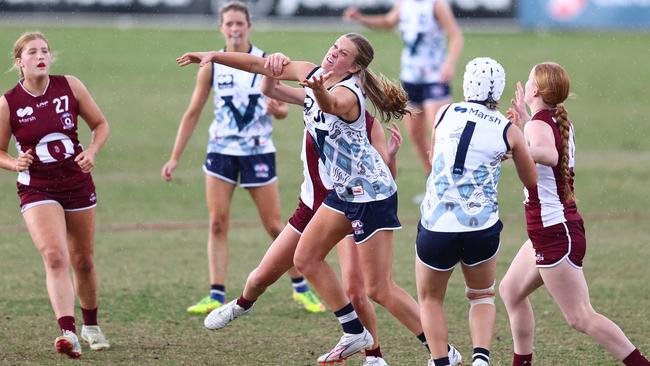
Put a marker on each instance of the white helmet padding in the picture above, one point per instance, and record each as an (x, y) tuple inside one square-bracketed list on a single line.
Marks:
[(484, 78)]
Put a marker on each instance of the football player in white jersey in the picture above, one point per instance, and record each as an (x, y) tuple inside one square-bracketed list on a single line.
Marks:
[(460, 215), (364, 194), (240, 146), (553, 254), (427, 67)]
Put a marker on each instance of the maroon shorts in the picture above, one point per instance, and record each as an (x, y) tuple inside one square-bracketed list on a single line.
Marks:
[(554, 243), (301, 217), (78, 198)]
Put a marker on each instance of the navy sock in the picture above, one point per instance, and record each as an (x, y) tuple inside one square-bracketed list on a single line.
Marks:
[(300, 284), (444, 361), (481, 354), (218, 292), (349, 320), (423, 340)]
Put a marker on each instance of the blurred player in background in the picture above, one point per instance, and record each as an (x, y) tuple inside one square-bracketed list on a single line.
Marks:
[(56, 190), (553, 254), (240, 145), (427, 67)]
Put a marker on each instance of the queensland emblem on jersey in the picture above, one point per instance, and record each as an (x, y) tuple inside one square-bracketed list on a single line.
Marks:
[(54, 147), (66, 121), (225, 81)]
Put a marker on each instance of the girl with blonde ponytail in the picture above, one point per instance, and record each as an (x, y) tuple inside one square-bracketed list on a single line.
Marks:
[(364, 194), (556, 247)]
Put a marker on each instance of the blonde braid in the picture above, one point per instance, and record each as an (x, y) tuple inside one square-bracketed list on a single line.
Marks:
[(564, 126)]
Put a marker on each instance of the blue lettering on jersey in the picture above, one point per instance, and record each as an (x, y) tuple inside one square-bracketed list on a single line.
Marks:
[(485, 116), (243, 121)]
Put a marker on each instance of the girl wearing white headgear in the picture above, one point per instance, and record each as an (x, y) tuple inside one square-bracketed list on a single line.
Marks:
[(460, 216)]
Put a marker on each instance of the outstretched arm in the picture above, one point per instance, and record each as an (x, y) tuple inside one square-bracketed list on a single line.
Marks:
[(383, 21), (294, 70)]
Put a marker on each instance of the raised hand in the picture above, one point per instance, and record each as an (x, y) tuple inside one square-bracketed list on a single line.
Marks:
[(351, 13), (276, 62), (517, 113), (395, 140), (316, 83)]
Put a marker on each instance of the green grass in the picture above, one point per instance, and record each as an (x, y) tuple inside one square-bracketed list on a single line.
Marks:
[(148, 277)]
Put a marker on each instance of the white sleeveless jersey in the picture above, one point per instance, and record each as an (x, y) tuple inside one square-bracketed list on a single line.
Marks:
[(241, 124), (461, 196), (425, 43), (357, 171)]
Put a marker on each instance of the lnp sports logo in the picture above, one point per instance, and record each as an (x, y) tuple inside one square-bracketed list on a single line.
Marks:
[(261, 170), (357, 226)]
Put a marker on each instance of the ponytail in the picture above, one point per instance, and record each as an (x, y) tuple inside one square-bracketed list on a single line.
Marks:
[(387, 97), (564, 126)]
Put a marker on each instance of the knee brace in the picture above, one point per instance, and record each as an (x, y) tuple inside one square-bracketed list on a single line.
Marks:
[(481, 296)]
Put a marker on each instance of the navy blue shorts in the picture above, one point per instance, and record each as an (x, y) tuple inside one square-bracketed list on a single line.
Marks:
[(253, 170), (366, 218), (441, 251), (420, 93)]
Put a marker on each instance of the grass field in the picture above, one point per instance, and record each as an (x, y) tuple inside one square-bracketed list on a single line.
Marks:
[(150, 246)]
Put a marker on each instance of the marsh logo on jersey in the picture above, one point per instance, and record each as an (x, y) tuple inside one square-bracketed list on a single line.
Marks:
[(357, 226), (261, 170), (225, 81)]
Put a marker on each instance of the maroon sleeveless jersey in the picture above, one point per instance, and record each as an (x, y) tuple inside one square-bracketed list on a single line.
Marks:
[(47, 125)]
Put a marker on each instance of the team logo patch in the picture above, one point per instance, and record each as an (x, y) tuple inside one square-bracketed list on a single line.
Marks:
[(225, 81), (66, 121), (539, 258), (357, 226), (261, 170), (92, 197), (22, 112), (357, 191)]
